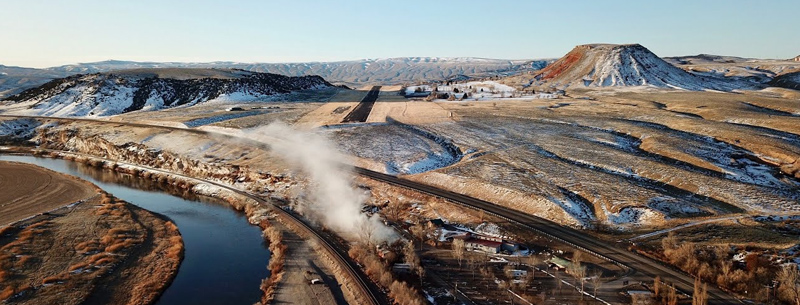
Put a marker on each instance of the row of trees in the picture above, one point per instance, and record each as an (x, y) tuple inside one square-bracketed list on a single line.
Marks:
[(714, 264)]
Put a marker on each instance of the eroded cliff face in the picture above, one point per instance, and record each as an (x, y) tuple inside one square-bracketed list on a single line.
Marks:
[(70, 138)]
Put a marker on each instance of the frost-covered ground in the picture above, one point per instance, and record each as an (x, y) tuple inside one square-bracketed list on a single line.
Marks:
[(620, 163), (397, 148), (225, 117), (18, 128), (479, 91)]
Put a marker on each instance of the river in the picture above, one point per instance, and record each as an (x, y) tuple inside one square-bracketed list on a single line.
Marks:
[(226, 257)]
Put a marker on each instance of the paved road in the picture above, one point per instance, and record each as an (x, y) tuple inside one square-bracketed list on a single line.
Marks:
[(362, 110), (616, 253)]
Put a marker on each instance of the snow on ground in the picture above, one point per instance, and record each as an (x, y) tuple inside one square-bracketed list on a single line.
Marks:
[(687, 225), (224, 117), (86, 100), (18, 128), (401, 149), (479, 91)]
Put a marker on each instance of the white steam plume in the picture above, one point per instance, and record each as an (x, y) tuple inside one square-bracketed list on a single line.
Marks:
[(333, 199)]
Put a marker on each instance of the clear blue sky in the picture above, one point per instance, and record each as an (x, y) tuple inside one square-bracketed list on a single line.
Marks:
[(40, 33)]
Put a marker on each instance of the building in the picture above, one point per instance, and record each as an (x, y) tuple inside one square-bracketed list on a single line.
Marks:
[(516, 273), (796, 58), (401, 268), (559, 263), (486, 246)]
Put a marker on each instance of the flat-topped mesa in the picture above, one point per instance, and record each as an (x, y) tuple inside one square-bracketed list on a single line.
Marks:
[(111, 93), (624, 65)]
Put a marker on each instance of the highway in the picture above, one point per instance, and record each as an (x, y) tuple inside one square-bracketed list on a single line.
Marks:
[(607, 250), (360, 113)]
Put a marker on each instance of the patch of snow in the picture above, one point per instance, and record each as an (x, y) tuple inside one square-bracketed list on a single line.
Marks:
[(635, 216), (18, 128)]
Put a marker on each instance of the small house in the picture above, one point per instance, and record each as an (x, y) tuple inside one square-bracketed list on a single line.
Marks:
[(486, 246), (515, 273), (559, 263), (401, 268)]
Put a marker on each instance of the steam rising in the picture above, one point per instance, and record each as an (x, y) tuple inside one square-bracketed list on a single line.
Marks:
[(332, 199)]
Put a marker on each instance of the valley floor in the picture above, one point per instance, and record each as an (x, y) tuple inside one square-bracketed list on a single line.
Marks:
[(618, 163), (79, 245)]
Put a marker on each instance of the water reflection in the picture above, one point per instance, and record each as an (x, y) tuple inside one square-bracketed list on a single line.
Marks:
[(225, 257)]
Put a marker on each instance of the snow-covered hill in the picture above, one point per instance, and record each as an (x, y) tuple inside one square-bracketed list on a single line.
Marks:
[(104, 94), (607, 65)]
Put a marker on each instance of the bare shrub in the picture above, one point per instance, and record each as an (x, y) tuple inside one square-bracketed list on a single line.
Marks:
[(789, 281), (458, 250), (404, 294)]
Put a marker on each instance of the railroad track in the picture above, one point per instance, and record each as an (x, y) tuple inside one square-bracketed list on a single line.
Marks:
[(337, 251), (645, 266)]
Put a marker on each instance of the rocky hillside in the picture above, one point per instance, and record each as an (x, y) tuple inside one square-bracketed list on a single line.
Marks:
[(788, 80), (104, 94), (607, 65)]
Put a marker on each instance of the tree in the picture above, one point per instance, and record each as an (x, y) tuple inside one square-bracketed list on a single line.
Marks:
[(506, 285), (578, 271), (700, 295), (789, 284), (472, 263), (394, 209), (419, 232), (412, 259), (534, 260), (577, 258), (458, 250), (366, 233), (672, 296), (559, 284), (657, 286), (580, 275), (596, 279)]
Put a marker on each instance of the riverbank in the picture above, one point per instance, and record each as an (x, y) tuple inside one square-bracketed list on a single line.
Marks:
[(97, 249), (257, 213)]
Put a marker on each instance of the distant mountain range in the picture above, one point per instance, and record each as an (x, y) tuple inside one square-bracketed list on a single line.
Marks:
[(352, 73), (113, 87), (111, 93)]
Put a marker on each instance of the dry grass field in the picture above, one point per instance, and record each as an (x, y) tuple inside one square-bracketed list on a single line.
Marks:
[(28, 190), (99, 251)]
